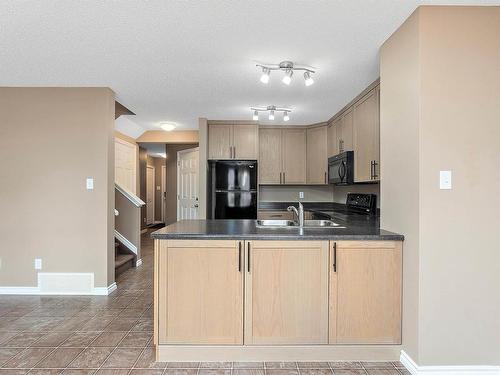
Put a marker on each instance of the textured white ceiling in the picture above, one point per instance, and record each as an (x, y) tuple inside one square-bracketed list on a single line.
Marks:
[(180, 60)]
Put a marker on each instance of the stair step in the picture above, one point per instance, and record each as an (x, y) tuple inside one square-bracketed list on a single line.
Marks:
[(121, 259)]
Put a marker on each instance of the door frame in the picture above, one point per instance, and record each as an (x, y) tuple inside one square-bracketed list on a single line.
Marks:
[(163, 192), (179, 153), (154, 193)]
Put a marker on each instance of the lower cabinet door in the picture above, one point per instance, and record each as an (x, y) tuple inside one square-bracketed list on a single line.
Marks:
[(286, 292), (365, 292), (200, 292)]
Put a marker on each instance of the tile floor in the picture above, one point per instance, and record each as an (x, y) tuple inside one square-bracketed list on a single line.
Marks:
[(112, 335)]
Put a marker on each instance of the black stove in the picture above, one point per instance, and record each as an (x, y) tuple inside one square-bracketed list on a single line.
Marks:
[(356, 205)]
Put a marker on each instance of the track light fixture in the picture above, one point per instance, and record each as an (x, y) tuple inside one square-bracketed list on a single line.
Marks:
[(288, 67), (271, 109), (255, 116), (264, 78)]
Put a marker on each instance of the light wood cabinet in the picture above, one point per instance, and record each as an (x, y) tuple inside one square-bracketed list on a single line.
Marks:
[(294, 156), (333, 140), (200, 292), (317, 155), (282, 156), (366, 137), (345, 132), (270, 155), (219, 141), (233, 141), (246, 141), (365, 292), (286, 292)]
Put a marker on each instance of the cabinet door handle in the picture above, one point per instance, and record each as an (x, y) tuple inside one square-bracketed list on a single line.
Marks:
[(248, 257), (239, 256), (280, 177), (325, 178), (335, 257), (283, 177), (375, 175), (371, 170), (234, 152)]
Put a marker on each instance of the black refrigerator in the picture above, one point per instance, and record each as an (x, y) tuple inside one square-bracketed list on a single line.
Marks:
[(232, 189)]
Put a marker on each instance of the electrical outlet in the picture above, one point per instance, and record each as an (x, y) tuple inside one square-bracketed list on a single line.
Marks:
[(38, 264), (301, 195)]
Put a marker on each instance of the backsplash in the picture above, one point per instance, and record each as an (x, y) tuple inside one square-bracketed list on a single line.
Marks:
[(286, 193), (320, 193)]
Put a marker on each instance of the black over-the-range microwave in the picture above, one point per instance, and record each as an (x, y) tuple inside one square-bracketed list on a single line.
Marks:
[(341, 169)]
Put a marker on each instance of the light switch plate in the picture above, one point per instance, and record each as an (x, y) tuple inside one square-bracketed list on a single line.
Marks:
[(445, 180), (90, 184), (38, 264), (301, 194)]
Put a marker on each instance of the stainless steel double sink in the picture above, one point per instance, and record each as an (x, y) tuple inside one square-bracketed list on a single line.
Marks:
[(294, 224)]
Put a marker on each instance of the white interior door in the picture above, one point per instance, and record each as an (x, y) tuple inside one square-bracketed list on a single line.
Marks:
[(187, 184), (150, 195), (163, 192)]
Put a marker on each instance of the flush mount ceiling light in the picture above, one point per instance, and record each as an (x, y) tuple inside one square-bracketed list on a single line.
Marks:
[(272, 109), (288, 67), (168, 126)]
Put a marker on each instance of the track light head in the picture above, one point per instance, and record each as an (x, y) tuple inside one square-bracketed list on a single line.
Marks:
[(255, 116), (308, 80), (287, 79), (285, 116), (271, 115), (264, 78)]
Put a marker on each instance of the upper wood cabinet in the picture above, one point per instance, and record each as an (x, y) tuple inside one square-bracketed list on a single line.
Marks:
[(246, 141), (270, 155), (200, 286), (365, 292), (333, 139), (317, 155), (282, 156), (345, 133), (220, 141), (367, 138), (294, 156), (233, 141), (286, 292)]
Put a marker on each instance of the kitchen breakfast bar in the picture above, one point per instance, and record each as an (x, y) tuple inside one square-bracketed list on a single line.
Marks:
[(247, 290)]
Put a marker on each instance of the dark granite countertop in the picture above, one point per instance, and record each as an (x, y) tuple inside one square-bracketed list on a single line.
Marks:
[(356, 228)]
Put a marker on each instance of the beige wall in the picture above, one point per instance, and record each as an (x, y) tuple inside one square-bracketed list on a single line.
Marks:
[(203, 167), (399, 161), (51, 140), (440, 111), (160, 136)]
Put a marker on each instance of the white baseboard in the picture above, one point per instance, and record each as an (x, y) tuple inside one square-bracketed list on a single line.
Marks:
[(138, 263), (54, 283), (104, 291), (415, 369)]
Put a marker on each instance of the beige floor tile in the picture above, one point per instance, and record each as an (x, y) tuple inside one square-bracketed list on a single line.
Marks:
[(214, 371), (23, 340), (281, 365), (80, 339), (136, 339), (147, 371), (108, 339), (349, 371), (109, 371), (59, 358), (223, 365), (122, 358), (282, 372), (316, 371), (248, 371), (379, 371), (8, 353), (248, 365), (313, 365), (27, 358), (183, 364), (380, 365), (181, 371), (345, 365), (91, 358), (70, 371), (147, 359), (52, 339)]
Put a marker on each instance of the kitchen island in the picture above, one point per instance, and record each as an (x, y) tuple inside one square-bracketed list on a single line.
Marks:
[(229, 290)]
